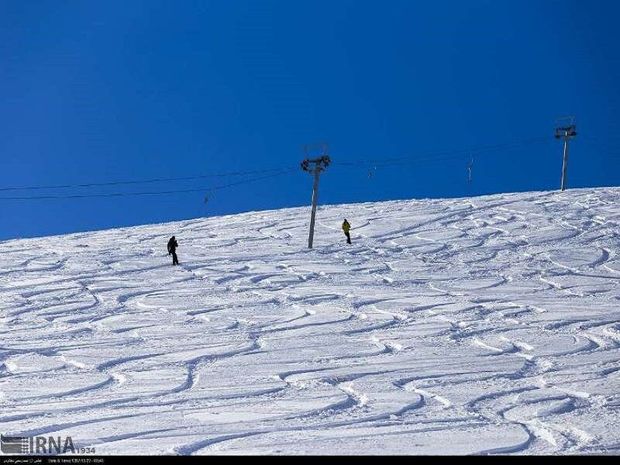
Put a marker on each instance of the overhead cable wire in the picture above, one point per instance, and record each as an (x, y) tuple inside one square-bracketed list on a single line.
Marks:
[(143, 181), (431, 157), (133, 194), (445, 155)]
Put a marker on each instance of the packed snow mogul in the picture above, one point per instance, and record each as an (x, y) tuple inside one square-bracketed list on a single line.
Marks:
[(172, 250), (346, 227)]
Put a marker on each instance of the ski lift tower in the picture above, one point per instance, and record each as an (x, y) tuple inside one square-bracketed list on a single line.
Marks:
[(315, 166), (565, 131)]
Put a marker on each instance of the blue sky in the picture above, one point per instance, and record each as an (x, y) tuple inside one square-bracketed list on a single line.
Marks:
[(94, 92)]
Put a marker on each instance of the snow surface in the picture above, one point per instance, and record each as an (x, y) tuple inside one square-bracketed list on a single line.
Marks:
[(462, 326)]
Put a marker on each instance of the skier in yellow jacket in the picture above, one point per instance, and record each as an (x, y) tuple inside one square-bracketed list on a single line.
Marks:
[(346, 227)]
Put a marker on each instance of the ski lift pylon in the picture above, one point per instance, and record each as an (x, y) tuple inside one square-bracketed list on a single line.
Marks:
[(470, 165)]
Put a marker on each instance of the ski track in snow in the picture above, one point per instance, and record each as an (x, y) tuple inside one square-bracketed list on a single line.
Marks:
[(463, 326)]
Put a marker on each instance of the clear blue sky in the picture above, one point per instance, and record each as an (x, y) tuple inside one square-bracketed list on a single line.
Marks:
[(131, 90)]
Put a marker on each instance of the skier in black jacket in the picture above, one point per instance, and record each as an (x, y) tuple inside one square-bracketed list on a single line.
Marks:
[(172, 250)]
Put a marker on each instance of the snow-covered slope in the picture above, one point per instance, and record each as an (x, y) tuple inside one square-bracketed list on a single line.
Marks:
[(483, 325)]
